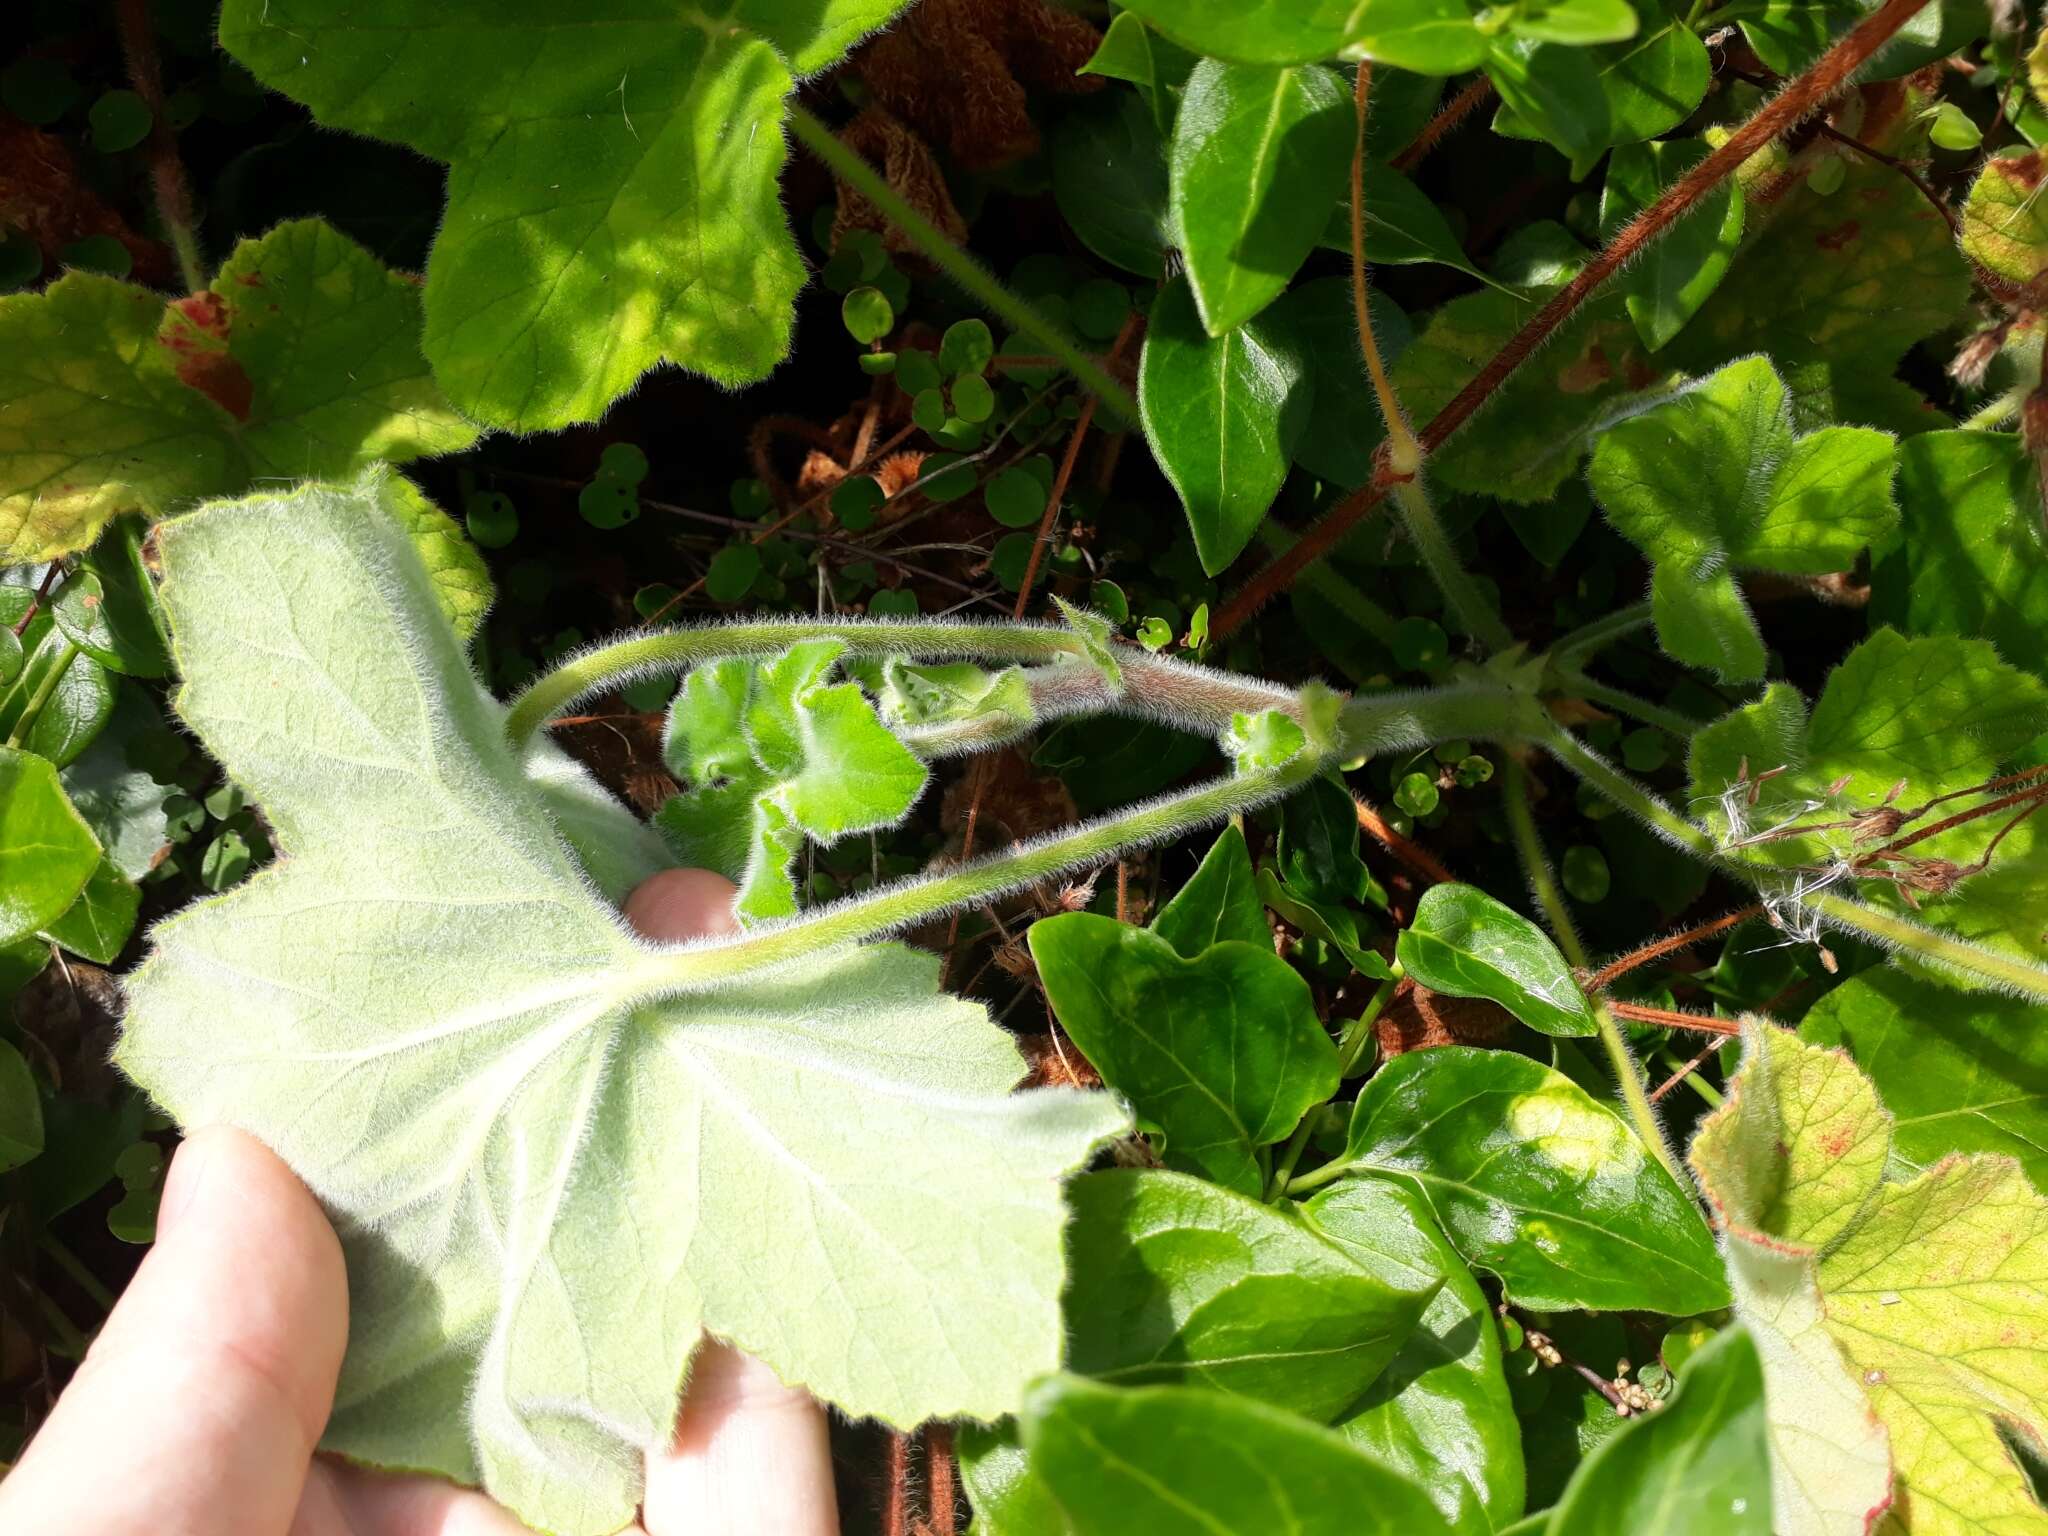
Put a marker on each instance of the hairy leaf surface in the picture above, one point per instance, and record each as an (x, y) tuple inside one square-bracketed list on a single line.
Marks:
[(612, 188), (550, 1167)]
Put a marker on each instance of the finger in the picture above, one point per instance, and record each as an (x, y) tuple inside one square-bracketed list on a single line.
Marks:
[(349, 1501), (199, 1405), (750, 1454), (683, 904)]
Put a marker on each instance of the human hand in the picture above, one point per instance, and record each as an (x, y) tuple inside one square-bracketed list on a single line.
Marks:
[(198, 1407)]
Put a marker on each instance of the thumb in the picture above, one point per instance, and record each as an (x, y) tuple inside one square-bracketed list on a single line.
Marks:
[(199, 1405), (750, 1454)]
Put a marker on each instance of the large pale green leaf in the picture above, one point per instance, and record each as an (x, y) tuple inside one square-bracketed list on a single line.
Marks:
[(1172, 1279), (1258, 154), (1440, 1411), (1841, 286), (1537, 1182), (1219, 902), (1463, 942), (302, 359), (1223, 1053), (612, 177), (47, 852), (1799, 1140), (1959, 1072), (1178, 1461), (1697, 1467), (1432, 36), (548, 1166), (1717, 481), (1526, 441), (1972, 554), (1222, 415), (1926, 1293)]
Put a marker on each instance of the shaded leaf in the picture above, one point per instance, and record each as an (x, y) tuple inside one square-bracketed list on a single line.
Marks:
[(1223, 1052), (1342, 429), (1674, 277), (21, 1111), (47, 852), (1109, 178), (1218, 904), (1463, 942), (1536, 1182), (98, 923), (1432, 36)]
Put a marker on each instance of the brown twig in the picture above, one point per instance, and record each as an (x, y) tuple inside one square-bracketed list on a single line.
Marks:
[(1065, 474), (1413, 854), (50, 574), (1798, 100), (1672, 1018), (1658, 948), (1685, 1071), (1454, 112), (166, 170)]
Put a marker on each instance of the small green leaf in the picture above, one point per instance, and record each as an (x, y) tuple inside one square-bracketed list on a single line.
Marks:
[(119, 120), (492, 519), (967, 347), (98, 923), (77, 704), (1584, 874), (1133, 52), (1950, 127), (1463, 942), (1717, 481), (731, 573), (21, 1111), (868, 315), (1553, 90), (1440, 1412), (1429, 36), (1218, 903), (47, 852), (1416, 794), (1174, 1280), (1016, 498), (1537, 1182), (1222, 415), (1223, 1052), (2005, 226), (1698, 1467), (1675, 276), (1257, 155), (1177, 1461), (1582, 23), (1269, 739)]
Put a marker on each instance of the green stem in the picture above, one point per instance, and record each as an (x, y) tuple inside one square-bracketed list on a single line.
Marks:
[(851, 921), (1154, 687), (1358, 1033), (1621, 1061), (1570, 680), (1276, 1186), (1968, 961), (1316, 1178), (33, 709), (1468, 603), (1574, 648), (1333, 588), (956, 263), (1990, 417)]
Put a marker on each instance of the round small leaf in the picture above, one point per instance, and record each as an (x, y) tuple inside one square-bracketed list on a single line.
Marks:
[(946, 478), (901, 603), (492, 518), (623, 462), (1416, 794), (732, 572), (973, 400), (1585, 874), (38, 91), (1015, 498), (608, 503), (856, 501), (1100, 307), (868, 314), (917, 372), (119, 120), (1009, 558), (967, 347)]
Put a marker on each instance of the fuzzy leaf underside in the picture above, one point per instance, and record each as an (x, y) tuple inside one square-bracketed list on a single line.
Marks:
[(548, 1179), (612, 192)]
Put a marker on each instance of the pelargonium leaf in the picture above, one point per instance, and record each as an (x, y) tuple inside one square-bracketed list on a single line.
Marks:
[(550, 1167), (302, 359), (612, 174), (1464, 943), (776, 752)]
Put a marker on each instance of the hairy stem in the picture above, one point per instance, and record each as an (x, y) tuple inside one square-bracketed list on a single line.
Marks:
[(1576, 648), (1461, 106), (1799, 99), (1476, 613), (1404, 454), (1634, 705), (956, 263), (166, 169)]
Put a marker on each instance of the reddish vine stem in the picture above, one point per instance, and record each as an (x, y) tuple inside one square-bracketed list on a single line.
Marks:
[(1658, 948), (166, 170), (896, 1506), (1691, 1066), (1065, 474), (938, 1466), (1438, 128), (50, 574), (1800, 98), (1673, 1018), (1413, 854)]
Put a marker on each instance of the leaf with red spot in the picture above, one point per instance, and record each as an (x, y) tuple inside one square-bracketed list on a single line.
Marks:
[(301, 361)]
